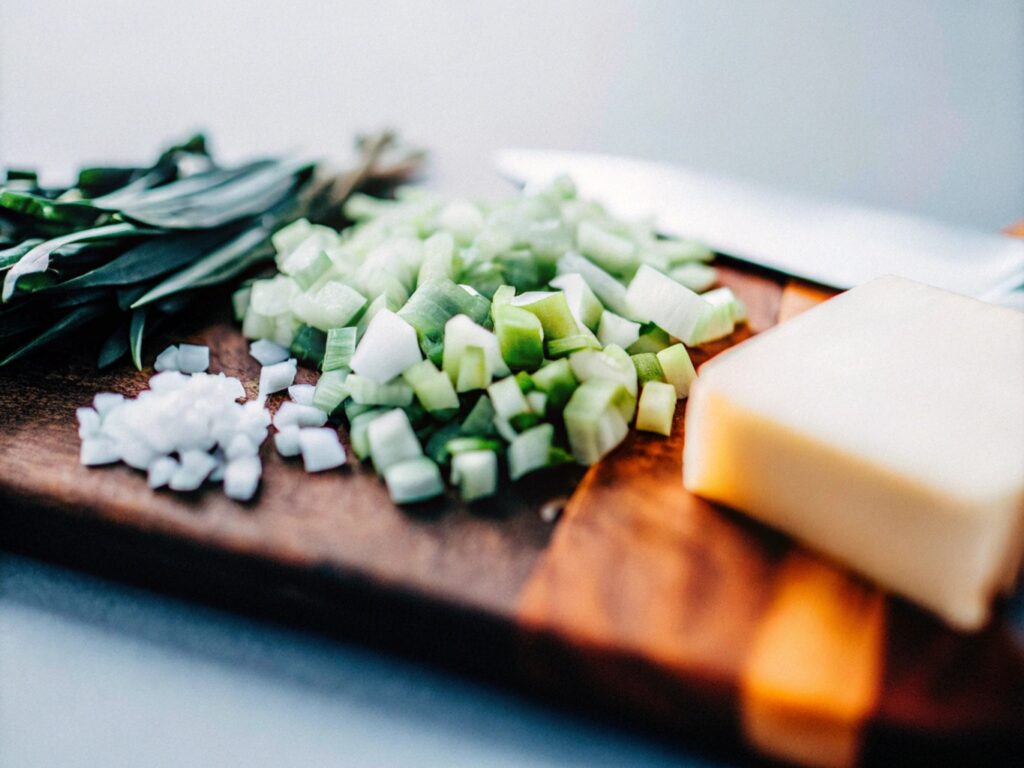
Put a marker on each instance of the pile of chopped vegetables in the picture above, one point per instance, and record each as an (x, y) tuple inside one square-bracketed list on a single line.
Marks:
[(479, 339)]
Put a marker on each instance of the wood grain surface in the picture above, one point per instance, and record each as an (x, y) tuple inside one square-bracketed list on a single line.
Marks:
[(643, 604)]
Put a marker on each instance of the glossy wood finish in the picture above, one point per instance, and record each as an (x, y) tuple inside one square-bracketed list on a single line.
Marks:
[(643, 603)]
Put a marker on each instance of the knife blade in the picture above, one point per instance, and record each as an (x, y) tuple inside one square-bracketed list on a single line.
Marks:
[(835, 244)]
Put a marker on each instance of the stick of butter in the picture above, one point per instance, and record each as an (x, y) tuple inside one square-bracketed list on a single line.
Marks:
[(884, 428)]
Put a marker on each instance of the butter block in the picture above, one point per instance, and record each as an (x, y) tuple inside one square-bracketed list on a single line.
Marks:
[(885, 428)]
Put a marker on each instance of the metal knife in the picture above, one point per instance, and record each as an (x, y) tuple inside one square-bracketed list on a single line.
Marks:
[(830, 243)]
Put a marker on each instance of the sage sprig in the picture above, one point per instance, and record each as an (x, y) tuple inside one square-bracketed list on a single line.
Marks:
[(124, 250)]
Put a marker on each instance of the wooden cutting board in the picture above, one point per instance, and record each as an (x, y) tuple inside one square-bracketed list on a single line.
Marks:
[(643, 604)]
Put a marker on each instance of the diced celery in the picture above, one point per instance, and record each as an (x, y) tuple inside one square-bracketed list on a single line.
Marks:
[(507, 398), (538, 401), (309, 344), (473, 370), (432, 387), (714, 323), (340, 346), (332, 305), (476, 474), (392, 440), (388, 347), (647, 367), (330, 390), (520, 336), (502, 297), (656, 408), (557, 381), (461, 332), (433, 304), (289, 236), (439, 260), (368, 392), (652, 339), (457, 445), (610, 291), (615, 255), (678, 368), (462, 219), (680, 251), (240, 302), (617, 330), (562, 347), (413, 480), (375, 306), (519, 268), (529, 450), (553, 312), (306, 263), (658, 298), (611, 363), (525, 382), (695, 276), (583, 304), (358, 431), (594, 420)]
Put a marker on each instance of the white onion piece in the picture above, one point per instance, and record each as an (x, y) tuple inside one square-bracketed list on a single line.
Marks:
[(160, 471), (167, 360), (287, 441), (98, 450), (242, 477), (193, 358), (105, 401), (321, 449), (240, 446), (267, 352), (274, 378), (167, 381), (194, 468), (217, 473), (292, 414), (388, 347), (88, 422), (301, 393)]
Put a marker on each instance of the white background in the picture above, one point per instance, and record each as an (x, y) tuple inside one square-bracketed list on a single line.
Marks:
[(914, 104), (903, 103)]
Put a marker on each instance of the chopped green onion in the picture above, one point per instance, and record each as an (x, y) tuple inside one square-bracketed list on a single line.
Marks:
[(480, 419), (388, 347), (656, 408), (332, 305), (392, 440), (615, 255), (695, 276), (457, 445), (594, 419), (473, 370), (339, 348), (659, 299), (566, 346), (553, 312), (529, 451), (309, 344), (432, 387), (413, 480), (652, 339), (617, 330), (678, 368), (368, 392), (331, 390), (557, 381), (520, 336), (583, 304), (476, 473), (647, 367), (507, 398)]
